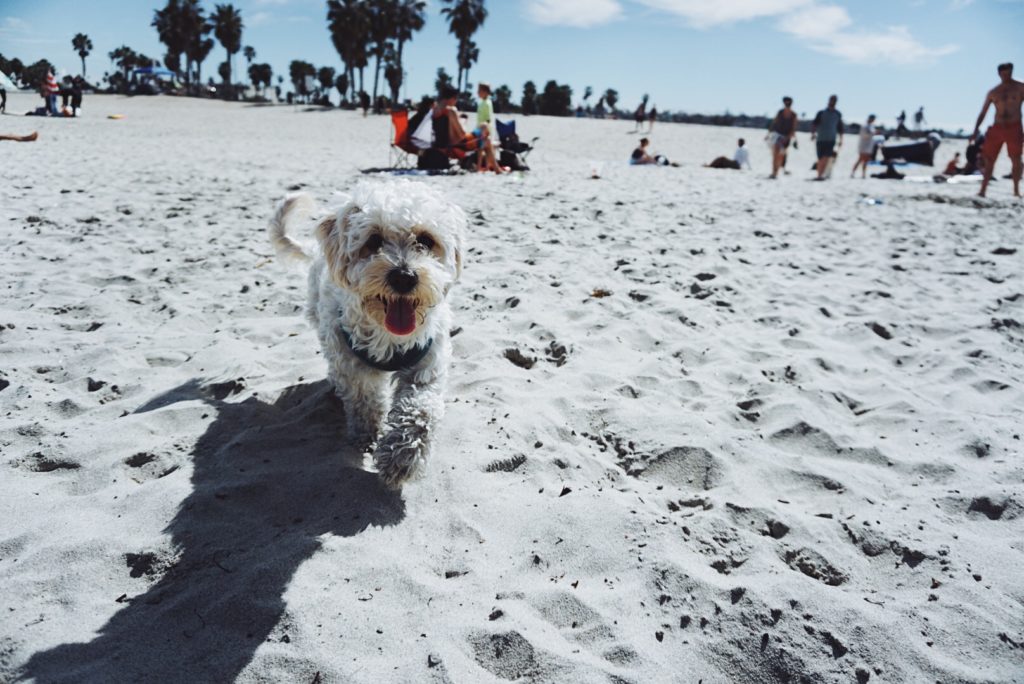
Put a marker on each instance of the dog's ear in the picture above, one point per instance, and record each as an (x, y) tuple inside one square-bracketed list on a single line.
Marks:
[(331, 233)]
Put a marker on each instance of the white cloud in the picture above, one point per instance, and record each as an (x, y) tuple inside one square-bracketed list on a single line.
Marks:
[(708, 13), (816, 22), (14, 25), (827, 29), (258, 19), (576, 13)]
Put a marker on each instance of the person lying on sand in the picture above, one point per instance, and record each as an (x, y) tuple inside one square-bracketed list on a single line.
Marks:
[(31, 137), (740, 158)]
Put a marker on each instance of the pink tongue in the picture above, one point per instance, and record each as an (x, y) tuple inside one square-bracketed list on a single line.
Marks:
[(401, 317)]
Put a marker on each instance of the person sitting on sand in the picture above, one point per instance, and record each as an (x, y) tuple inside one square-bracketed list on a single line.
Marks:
[(640, 156), (740, 158), (450, 137), (953, 167), (31, 137)]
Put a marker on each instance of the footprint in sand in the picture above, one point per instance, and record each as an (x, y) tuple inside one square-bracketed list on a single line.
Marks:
[(38, 462), (145, 466), (686, 467), (505, 654), (807, 439), (815, 566)]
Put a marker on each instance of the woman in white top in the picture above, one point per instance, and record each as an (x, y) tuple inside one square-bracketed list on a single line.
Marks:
[(865, 147)]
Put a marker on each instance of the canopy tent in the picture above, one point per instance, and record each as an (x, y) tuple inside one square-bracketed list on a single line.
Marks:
[(153, 71), (6, 83)]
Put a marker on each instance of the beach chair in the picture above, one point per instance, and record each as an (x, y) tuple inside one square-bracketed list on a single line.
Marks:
[(402, 154), (513, 151)]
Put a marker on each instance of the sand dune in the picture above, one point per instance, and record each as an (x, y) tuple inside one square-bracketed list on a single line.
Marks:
[(701, 426)]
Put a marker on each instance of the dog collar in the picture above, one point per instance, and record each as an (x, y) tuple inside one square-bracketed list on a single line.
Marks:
[(398, 361)]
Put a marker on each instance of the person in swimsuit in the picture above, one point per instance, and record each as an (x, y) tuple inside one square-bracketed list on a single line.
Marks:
[(1006, 129), (865, 147), (781, 131)]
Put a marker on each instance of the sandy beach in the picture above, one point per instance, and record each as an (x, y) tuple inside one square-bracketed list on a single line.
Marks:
[(701, 425)]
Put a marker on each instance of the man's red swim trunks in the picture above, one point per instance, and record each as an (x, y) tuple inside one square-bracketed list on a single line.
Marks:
[(1010, 133)]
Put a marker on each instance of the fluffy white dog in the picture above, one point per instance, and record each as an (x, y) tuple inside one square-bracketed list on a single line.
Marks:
[(378, 288)]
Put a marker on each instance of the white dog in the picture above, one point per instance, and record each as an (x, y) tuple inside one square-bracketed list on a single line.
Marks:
[(378, 288)]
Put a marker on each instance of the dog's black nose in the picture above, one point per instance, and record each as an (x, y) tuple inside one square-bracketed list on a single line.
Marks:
[(402, 280)]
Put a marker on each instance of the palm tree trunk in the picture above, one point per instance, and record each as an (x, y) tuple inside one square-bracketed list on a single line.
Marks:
[(83, 68), (376, 78)]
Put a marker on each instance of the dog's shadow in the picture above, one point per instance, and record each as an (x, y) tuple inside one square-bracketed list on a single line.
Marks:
[(268, 481)]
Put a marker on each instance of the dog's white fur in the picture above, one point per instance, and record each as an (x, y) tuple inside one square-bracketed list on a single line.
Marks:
[(394, 413)]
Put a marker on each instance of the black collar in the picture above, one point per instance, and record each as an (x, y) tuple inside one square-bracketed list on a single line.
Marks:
[(398, 361)]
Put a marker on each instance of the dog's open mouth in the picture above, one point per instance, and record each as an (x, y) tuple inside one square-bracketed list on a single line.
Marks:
[(399, 315)]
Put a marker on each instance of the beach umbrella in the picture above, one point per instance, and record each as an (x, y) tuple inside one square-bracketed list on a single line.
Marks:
[(6, 83)]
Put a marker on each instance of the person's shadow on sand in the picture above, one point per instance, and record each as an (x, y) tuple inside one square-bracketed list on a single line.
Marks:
[(268, 480)]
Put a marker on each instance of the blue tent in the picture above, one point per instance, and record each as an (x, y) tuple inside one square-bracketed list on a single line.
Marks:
[(153, 71)]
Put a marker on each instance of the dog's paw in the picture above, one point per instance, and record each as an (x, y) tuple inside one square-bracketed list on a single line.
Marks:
[(398, 457)]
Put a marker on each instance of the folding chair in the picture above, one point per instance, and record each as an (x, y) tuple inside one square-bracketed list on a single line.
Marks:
[(402, 154)]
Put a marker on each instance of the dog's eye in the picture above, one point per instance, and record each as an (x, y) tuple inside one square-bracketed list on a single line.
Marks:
[(425, 241), (372, 245)]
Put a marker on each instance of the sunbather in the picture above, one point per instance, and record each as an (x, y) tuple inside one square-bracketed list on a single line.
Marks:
[(20, 138)]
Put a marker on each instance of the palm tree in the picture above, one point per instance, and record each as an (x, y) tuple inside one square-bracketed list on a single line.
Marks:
[(409, 16), (611, 96), (83, 46), (379, 20), (465, 17), (348, 24), (250, 53), (182, 27), (198, 51), (227, 27), (124, 58), (468, 53)]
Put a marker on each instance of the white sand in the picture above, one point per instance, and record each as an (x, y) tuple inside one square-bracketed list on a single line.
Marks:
[(784, 447)]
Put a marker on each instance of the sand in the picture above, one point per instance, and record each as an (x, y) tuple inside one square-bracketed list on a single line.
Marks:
[(702, 426)]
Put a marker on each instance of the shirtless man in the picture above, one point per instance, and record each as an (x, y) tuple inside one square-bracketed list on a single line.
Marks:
[(1006, 98)]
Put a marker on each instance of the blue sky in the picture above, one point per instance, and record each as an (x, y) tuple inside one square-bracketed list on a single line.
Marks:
[(692, 55)]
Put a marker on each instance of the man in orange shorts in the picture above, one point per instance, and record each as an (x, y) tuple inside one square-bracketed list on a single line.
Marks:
[(1006, 98)]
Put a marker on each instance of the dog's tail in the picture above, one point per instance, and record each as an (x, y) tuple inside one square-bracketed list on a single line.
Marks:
[(295, 206)]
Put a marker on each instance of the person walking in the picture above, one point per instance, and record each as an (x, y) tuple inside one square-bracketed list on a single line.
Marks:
[(639, 116), (781, 132), (651, 118), (901, 123), (865, 147), (919, 118), (1006, 129), (827, 125)]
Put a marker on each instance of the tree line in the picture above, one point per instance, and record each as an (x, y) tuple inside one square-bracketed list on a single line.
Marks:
[(365, 33)]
